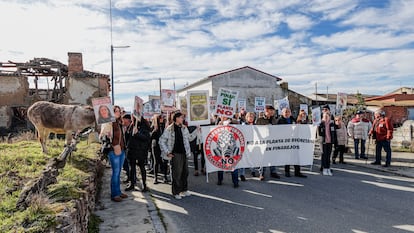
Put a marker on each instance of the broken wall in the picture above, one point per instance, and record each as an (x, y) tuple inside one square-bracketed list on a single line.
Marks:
[(13, 90), (82, 90)]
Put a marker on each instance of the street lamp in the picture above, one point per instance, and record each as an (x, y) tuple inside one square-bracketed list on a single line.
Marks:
[(112, 54), (112, 69)]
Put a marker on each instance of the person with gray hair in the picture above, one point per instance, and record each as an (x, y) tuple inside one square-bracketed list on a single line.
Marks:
[(286, 118), (382, 132)]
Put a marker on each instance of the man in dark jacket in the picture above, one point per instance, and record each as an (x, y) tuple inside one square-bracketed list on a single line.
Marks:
[(286, 118), (268, 119), (137, 140)]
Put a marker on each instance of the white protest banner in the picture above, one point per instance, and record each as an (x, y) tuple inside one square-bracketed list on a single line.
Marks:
[(259, 104), (226, 102), (239, 146), (198, 108)]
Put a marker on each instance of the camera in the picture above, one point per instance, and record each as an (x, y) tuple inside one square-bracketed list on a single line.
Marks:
[(106, 145)]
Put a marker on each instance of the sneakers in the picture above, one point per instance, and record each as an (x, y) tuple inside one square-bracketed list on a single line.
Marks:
[(185, 194), (329, 172), (242, 178), (178, 197), (325, 172)]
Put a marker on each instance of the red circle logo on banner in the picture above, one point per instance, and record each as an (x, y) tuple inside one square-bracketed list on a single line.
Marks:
[(224, 147)]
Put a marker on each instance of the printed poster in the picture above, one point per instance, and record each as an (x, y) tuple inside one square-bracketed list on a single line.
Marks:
[(138, 106), (226, 102), (104, 112), (198, 108), (259, 104), (282, 103), (167, 97), (241, 104), (341, 102), (182, 100), (316, 116)]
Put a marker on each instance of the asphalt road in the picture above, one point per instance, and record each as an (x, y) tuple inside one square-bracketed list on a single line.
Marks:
[(355, 199)]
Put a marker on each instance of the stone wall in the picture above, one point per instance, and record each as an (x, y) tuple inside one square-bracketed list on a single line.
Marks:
[(404, 136), (75, 218)]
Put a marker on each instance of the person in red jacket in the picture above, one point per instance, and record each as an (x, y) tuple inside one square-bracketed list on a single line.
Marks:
[(381, 131)]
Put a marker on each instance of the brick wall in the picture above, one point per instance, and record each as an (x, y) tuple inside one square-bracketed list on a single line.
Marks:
[(397, 114)]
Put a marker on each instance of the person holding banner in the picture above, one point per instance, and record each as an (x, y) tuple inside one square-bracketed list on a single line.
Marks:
[(175, 146), (327, 131), (268, 119), (235, 173), (250, 117), (286, 118)]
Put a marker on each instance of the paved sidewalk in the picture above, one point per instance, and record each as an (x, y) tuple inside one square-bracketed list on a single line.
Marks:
[(138, 214), (135, 214)]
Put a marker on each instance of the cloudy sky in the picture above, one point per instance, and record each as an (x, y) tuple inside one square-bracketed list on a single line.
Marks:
[(343, 46)]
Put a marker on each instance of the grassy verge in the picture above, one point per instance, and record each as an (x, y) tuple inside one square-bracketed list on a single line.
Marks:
[(23, 161)]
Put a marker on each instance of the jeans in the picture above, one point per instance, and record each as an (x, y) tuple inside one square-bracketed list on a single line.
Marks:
[(386, 144), (356, 147), (117, 162)]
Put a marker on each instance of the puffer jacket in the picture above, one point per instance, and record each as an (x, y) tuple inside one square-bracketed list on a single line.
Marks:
[(382, 129), (341, 135), (167, 141), (358, 128), (332, 131)]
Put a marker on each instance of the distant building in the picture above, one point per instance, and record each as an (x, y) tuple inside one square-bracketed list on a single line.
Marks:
[(398, 105), (250, 83)]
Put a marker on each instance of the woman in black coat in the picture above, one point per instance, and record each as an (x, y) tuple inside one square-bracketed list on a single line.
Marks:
[(327, 131), (137, 138)]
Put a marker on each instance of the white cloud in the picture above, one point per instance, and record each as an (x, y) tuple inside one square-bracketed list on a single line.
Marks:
[(345, 45)]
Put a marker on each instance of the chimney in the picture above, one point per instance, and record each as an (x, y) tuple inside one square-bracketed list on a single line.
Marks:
[(284, 85), (75, 64)]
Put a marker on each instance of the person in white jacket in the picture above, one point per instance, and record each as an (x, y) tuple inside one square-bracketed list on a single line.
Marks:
[(175, 146), (358, 129)]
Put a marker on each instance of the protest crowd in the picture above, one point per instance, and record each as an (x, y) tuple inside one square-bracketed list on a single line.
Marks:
[(162, 145)]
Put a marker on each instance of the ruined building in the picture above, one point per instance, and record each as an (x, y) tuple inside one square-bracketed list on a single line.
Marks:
[(22, 84)]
